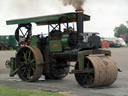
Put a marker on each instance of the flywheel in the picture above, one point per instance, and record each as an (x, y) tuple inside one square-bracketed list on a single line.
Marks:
[(29, 60)]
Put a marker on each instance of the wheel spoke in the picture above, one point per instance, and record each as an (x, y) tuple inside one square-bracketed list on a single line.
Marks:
[(22, 33), (89, 79), (29, 73), (33, 69), (89, 71), (25, 56), (29, 55), (88, 68), (85, 78), (32, 66), (32, 62), (26, 32), (21, 62), (23, 70)]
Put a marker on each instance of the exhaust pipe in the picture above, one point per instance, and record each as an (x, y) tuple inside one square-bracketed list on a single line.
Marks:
[(80, 24)]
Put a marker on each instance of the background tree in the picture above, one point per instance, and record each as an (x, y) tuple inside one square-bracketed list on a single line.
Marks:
[(127, 22), (122, 29)]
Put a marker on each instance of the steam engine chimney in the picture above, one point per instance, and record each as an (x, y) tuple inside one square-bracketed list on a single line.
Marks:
[(80, 24)]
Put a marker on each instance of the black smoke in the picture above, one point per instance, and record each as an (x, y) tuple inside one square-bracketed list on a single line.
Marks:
[(77, 4)]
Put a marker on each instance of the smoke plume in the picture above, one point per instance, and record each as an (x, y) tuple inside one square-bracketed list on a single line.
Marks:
[(77, 4)]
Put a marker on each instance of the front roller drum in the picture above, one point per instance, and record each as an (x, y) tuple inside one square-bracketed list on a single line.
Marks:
[(98, 71)]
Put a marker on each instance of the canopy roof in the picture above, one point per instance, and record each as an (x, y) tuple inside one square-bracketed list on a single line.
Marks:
[(50, 19)]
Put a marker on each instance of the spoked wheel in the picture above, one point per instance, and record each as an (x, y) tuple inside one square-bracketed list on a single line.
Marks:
[(98, 71), (58, 71), (29, 61), (87, 78)]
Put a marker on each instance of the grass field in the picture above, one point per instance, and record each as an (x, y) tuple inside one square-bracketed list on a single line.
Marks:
[(5, 91)]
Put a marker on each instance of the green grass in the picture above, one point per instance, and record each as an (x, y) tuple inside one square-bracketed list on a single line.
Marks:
[(5, 91)]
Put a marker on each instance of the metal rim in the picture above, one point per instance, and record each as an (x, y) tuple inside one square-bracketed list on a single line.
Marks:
[(30, 61)]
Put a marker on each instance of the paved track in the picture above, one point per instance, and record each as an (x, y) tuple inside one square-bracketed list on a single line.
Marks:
[(119, 88)]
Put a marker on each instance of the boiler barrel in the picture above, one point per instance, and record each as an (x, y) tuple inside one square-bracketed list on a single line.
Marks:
[(69, 56)]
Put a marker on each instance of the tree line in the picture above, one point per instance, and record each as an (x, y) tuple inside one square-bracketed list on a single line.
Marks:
[(121, 29)]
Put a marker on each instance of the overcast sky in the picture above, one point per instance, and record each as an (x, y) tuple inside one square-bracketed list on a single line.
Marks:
[(105, 14)]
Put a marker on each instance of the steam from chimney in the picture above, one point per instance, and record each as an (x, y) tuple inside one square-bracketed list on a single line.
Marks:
[(77, 4)]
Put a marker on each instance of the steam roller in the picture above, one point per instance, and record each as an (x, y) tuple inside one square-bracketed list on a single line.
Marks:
[(50, 54)]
